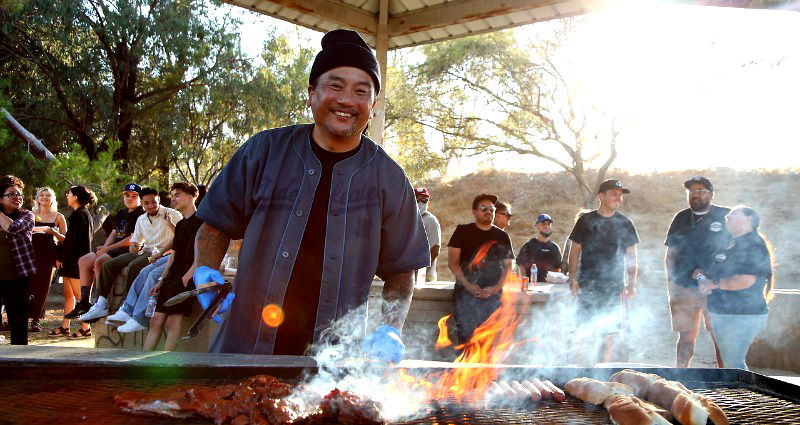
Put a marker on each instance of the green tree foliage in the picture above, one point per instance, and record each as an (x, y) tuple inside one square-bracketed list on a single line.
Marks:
[(211, 121), (403, 107), (492, 93), (96, 70)]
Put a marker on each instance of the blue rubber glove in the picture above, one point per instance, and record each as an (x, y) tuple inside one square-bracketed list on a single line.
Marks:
[(203, 275), (384, 344)]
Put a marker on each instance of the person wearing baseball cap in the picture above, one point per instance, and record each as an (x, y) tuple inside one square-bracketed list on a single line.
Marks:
[(540, 250), (694, 236), (116, 244), (480, 256), (602, 255), (309, 230), (432, 229)]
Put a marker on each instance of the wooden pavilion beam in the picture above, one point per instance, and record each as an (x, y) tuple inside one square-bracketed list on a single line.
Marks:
[(459, 12), (335, 10)]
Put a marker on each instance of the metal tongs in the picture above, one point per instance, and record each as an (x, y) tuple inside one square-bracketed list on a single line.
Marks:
[(222, 292)]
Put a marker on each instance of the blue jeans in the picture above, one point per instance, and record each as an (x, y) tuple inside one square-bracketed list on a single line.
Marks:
[(734, 333), (136, 300)]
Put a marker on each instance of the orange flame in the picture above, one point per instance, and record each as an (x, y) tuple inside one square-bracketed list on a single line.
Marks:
[(443, 340), (481, 254), (489, 345)]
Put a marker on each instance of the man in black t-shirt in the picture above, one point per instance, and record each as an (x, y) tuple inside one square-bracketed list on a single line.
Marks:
[(177, 275), (603, 252), (479, 255), (540, 251), (694, 236)]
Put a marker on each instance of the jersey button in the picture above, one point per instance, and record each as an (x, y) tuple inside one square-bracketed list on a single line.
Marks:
[(310, 172), (285, 254), (299, 213)]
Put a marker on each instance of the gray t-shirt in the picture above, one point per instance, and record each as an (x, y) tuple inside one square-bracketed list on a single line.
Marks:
[(264, 195)]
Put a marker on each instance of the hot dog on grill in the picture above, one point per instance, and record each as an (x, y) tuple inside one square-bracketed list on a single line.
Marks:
[(594, 391), (688, 407), (639, 381), (631, 410)]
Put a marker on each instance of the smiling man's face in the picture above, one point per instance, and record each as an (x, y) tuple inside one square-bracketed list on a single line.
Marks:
[(342, 102)]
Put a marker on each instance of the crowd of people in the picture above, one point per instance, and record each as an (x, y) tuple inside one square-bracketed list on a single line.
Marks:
[(152, 244), (718, 265)]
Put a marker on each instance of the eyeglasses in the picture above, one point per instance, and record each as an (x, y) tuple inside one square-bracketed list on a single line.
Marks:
[(13, 195), (698, 191), (423, 200), (485, 208), (507, 214)]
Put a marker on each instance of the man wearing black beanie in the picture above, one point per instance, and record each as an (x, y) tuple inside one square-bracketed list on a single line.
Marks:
[(321, 210)]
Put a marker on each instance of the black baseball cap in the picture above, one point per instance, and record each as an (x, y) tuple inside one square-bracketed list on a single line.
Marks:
[(612, 184), (132, 187), (481, 197), (699, 179)]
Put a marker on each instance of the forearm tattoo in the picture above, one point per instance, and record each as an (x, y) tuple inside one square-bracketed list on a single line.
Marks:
[(210, 246), (397, 292)]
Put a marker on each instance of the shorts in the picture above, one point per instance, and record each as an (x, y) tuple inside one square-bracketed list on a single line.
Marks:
[(685, 307), (169, 289), (116, 252), (601, 311)]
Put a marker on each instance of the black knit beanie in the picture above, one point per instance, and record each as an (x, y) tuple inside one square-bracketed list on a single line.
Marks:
[(345, 48)]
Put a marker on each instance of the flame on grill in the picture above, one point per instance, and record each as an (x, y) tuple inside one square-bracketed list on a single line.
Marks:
[(490, 344), (443, 340)]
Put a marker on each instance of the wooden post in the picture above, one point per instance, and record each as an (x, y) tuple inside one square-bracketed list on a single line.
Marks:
[(376, 126)]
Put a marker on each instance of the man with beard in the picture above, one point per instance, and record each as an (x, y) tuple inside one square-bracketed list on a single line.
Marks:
[(695, 235), (321, 210), (479, 255), (603, 252), (540, 251)]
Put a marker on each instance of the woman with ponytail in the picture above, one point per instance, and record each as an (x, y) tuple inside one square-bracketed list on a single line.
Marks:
[(739, 285)]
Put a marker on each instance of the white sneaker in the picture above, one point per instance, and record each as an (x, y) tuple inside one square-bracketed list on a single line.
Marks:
[(130, 326), (119, 317), (94, 313)]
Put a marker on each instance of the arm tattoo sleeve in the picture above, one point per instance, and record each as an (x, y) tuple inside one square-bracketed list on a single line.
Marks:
[(210, 246)]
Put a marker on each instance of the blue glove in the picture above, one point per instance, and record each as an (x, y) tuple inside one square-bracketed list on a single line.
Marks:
[(384, 344), (203, 275)]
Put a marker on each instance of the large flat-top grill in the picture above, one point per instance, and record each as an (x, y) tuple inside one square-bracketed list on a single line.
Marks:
[(46, 392), (46, 395)]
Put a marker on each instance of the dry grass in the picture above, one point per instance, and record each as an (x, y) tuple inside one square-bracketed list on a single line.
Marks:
[(655, 198)]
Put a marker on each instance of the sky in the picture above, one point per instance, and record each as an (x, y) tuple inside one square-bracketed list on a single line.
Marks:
[(702, 87)]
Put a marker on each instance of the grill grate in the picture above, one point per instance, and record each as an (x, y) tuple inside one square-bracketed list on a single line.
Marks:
[(90, 401)]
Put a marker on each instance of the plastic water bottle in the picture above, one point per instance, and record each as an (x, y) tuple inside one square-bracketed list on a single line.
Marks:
[(151, 306), (534, 274)]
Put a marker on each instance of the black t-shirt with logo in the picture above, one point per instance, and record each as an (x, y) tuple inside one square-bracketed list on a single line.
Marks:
[(603, 243), (125, 222), (482, 253), (695, 239), (302, 294), (546, 255), (746, 254)]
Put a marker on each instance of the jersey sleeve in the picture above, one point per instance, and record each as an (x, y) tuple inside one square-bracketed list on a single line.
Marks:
[(232, 198), (404, 244)]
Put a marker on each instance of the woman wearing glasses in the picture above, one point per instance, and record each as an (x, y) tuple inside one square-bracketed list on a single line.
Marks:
[(50, 227), (77, 242), (16, 257), (739, 285)]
